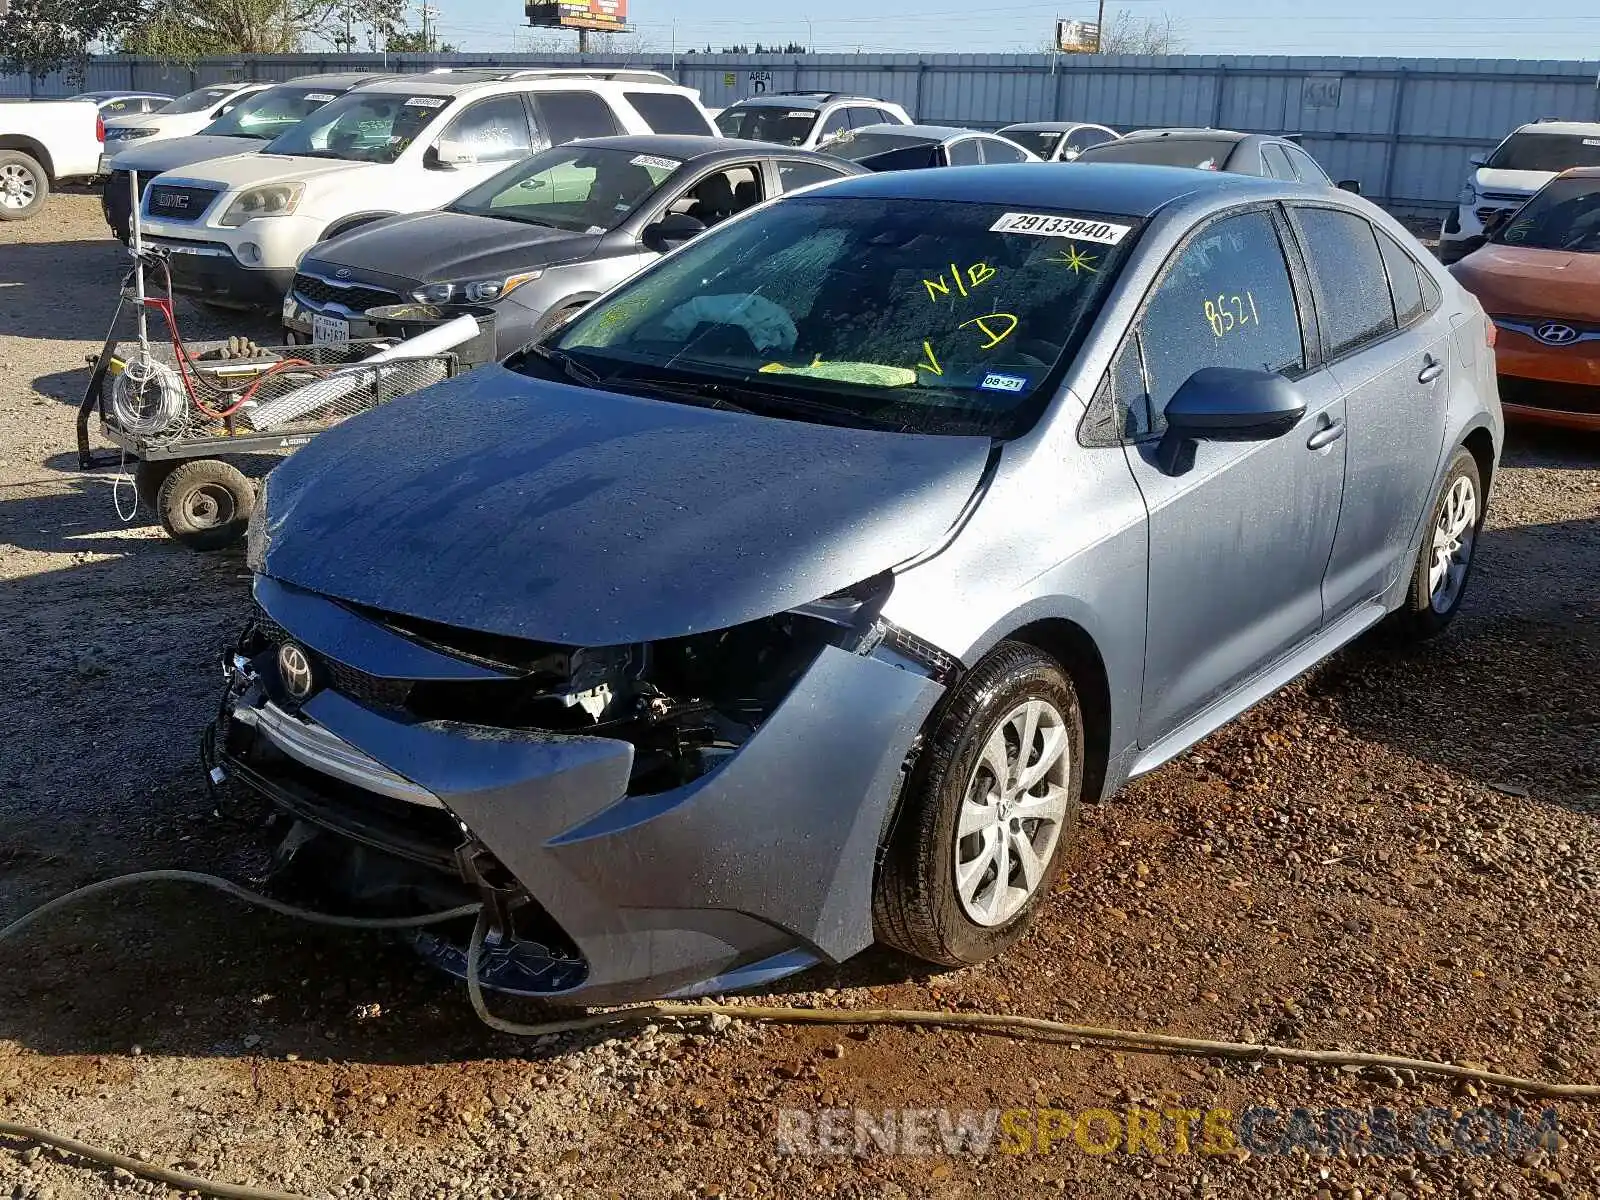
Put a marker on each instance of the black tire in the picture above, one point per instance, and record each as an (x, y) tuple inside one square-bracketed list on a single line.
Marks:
[(206, 504), (24, 171), (916, 907), (1420, 618), (148, 478)]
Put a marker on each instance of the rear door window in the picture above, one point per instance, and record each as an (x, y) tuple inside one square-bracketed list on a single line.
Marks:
[(965, 153), (568, 116), (1277, 162), (1404, 284), (1347, 276), (669, 112), (1306, 167), (794, 175), (1226, 300), (996, 150), (837, 122)]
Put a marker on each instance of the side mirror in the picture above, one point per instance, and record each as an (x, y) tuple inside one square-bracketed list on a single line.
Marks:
[(1350, 185), (1478, 159), (672, 230), (446, 156), (1225, 404)]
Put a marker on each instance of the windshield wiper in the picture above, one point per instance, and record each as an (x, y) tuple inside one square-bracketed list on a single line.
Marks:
[(679, 390)]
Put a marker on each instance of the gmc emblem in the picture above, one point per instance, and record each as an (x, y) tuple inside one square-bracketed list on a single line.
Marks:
[(171, 200)]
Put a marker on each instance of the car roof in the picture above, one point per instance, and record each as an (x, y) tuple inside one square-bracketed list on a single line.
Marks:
[(928, 133), (455, 80), (119, 95), (815, 100), (1050, 126), (1121, 189), (1589, 128), (338, 79), (689, 147), (1186, 135)]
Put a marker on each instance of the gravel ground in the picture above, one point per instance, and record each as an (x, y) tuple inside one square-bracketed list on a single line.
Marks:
[(1398, 853)]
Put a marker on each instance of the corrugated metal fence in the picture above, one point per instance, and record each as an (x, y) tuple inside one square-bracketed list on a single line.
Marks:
[(1403, 127)]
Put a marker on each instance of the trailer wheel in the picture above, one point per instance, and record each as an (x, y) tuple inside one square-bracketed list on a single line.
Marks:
[(205, 504), (24, 184), (148, 478)]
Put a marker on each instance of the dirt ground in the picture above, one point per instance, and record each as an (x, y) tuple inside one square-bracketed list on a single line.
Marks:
[(1400, 853)]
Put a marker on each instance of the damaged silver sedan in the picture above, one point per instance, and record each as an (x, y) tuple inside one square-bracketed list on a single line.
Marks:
[(796, 594)]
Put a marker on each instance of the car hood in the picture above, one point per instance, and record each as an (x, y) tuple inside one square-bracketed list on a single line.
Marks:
[(453, 246), (1513, 281), (561, 514), (248, 170), (1524, 183), (168, 154)]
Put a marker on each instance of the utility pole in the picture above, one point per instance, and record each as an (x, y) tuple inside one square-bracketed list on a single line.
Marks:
[(429, 32), (1100, 28)]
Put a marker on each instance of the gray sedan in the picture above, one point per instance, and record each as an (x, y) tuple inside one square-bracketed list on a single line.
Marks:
[(542, 239), (797, 593)]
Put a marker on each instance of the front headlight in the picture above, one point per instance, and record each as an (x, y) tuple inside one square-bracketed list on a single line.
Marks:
[(115, 134), (477, 291), (274, 200), (1467, 196)]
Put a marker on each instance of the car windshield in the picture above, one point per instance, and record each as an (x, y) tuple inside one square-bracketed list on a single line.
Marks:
[(1546, 152), (1564, 216), (197, 101), (767, 123), (269, 113), (858, 146), (1209, 154), (362, 127), (918, 315), (573, 188), (1041, 141)]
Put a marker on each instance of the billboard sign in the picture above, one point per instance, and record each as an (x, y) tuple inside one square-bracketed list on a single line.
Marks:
[(608, 16), (1077, 37)]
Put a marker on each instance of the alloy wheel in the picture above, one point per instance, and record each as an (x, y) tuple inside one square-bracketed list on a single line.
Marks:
[(1454, 536), (17, 186), (1012, 812)]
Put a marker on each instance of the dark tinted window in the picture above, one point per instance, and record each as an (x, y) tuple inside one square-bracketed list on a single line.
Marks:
[(1565, 216), (1404, 284), (1225, 301), (793, 175), (568, 116), (1277, 162), (668, 112), (996, 150), (1306, 167), (1041, 141), (767, 123), (1545, 152), (837, 122), (1352, 295), (1209, 154), (964, 153), (861, 117)]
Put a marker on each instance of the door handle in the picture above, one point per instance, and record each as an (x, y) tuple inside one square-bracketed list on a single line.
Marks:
[(1432, 368), (1326, 435)]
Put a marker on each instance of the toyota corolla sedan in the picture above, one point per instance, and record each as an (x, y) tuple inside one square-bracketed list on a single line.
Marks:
[(797, 593)]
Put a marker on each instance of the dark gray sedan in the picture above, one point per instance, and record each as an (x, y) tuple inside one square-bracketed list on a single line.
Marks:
[(915, 147), (540, 241)]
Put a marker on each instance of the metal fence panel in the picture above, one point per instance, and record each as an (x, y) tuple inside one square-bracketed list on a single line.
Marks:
[(1402, 127)]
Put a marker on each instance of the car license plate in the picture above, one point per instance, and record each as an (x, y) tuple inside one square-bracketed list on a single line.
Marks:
[(329, 331)]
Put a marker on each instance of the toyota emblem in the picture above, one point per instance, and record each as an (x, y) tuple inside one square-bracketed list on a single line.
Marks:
[(342, 273), (1554, 333), (294, 671)]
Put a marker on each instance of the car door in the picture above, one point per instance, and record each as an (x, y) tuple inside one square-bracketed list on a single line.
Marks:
[(486, 137), (1391, 358), (1239, 541)]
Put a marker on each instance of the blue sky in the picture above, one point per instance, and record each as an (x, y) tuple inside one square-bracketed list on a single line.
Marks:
[(1421, 28)]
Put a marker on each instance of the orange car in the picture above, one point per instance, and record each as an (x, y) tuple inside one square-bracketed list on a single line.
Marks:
[(1538, 277)]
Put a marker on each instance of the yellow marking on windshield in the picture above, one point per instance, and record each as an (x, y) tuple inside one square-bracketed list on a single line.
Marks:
[(1079, 262), (931, 363), (976, 275), (994, 338)]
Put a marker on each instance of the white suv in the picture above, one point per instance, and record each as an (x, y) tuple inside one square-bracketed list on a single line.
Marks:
[(1504, 180), (805, 119), (235, 227)]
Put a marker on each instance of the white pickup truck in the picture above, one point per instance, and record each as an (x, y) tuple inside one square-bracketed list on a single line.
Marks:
[(42, 143)]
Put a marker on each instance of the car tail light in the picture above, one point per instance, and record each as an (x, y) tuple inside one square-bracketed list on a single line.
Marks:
[(100, 129)]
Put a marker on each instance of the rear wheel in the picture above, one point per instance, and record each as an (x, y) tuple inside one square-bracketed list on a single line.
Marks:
[(24, 185), (989, 811), (148, 478), (205, 504), (1444, 559)]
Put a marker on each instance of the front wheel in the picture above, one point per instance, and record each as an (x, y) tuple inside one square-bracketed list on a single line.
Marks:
[(988, 813), (1444, 560)]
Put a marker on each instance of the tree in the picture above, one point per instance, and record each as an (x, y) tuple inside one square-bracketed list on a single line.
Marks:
[(189, 29), (413, 42), (38, 37), (1127, 34)]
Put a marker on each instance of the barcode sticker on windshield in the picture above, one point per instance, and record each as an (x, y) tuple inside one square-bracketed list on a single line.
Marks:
[(799, 112), (1078, 228), (320, 97), (1591, 141), (425, 102), (656, 161)]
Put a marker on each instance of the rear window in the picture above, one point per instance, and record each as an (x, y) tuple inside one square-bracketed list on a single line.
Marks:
[(857, 146), (1546, 152), (767, 123), (1208, 154), (668, 112)]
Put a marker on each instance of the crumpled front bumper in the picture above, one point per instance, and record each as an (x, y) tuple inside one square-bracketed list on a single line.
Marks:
[(759, 868)]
